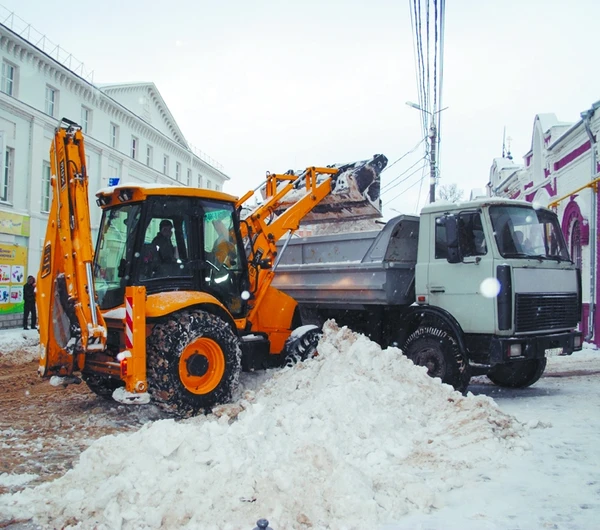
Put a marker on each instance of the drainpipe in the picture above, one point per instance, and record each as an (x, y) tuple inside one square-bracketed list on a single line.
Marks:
[(586, 117)]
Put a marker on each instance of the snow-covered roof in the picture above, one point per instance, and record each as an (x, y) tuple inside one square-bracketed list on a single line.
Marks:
[(502, 164)]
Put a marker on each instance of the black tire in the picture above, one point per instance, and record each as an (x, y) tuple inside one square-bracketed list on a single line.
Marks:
[(438, 350), (517, 374), (298, 349), (194, 363), (102, 386)]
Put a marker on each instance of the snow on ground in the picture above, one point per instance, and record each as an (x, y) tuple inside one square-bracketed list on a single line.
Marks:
[(19, 346), (356, 438)]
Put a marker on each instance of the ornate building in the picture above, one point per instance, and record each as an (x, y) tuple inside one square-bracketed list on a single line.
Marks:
[(562, 170)]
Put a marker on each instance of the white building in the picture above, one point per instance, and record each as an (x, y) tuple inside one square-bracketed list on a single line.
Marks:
[(561, 170), (129, 132)]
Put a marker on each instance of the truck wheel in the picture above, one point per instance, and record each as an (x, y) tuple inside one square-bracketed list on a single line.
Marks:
[(437, 350), (302, 347), (101, 386), (517, 374), (194, 362)]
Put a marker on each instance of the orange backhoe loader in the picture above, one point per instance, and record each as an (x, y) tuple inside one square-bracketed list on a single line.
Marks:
[(177, 298)]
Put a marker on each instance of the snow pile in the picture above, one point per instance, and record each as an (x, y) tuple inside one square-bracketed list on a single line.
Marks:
[(341, 227), (357, 436), (7, 480), (19, 347)]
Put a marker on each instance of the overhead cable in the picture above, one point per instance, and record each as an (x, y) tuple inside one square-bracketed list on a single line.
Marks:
[(404, 180), (394, 182)]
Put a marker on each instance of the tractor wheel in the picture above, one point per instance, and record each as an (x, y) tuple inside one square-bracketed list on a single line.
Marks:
[(437, 350), (101, 386), (517, 374), (194, 363), (303, 346)]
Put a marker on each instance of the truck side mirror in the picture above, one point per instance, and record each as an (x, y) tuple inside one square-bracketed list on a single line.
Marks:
[(452, 240)]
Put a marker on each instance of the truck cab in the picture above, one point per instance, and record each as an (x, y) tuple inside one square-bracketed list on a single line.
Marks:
[(503, 271)]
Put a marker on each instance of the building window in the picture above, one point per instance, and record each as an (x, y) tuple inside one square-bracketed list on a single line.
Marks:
[(86, 119), (114, 136), (207, 184), (9, 78), (7, 174), (135, 142), (217, 187), (177, 171), (189, 177), (51, 100), (199, 180), (166, 165), (46, 190), (149, 155)]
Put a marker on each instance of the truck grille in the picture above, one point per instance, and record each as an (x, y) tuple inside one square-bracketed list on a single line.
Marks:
[(548, 311)]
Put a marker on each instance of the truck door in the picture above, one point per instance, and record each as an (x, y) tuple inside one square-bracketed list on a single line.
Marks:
[(457, 287)]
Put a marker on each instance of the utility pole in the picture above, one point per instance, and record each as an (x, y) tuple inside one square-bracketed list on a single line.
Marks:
[(432, 161), (432, 148)]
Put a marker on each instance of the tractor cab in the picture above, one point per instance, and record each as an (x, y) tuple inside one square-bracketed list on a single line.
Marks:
[(171, 243)]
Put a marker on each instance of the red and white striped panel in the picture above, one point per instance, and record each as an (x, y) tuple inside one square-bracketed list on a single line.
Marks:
[(129, 322)]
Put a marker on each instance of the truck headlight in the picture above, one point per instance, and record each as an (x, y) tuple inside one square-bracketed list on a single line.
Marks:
[(514, 350)]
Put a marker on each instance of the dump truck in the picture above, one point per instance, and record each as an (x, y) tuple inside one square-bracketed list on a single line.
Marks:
[(176, 298), (479, 287)]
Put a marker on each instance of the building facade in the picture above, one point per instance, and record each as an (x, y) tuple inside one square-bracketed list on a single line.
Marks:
[(562, 171), (130, 134)]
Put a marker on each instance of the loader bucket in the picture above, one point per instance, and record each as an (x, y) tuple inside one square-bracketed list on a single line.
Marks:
[(355, 192)]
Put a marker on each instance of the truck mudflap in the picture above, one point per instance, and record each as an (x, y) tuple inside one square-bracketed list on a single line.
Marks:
[(355, 192), (503, 350)]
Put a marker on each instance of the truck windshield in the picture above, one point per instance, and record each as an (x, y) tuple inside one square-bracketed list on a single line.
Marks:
[(522, 231)]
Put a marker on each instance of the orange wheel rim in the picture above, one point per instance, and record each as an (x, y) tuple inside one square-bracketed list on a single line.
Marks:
[(201, 366)]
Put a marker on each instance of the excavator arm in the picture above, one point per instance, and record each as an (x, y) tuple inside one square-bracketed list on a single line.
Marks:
[(318, 194), (70, 321)]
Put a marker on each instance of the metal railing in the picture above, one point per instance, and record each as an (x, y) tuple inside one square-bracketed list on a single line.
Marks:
[(29, 33), (205, 158)]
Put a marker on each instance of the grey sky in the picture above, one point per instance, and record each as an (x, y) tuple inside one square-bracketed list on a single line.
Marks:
[(273, 84)]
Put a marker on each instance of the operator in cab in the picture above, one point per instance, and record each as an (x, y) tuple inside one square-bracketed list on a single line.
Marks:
[(224, 248), (162, 242)]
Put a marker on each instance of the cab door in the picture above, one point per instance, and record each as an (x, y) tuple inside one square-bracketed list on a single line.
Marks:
[(226, 270), (463, 288)]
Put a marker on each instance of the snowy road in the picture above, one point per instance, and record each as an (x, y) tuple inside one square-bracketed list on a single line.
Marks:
[(549, 479), (557, 484)]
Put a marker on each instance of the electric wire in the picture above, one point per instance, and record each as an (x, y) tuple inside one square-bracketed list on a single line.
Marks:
[(428, 22), (406, 189), (389, 185), (405, 155), (423, 102), (441, 70)]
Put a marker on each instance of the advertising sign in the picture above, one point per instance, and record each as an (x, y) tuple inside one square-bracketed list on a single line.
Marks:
[(12, 278), (13, 223)]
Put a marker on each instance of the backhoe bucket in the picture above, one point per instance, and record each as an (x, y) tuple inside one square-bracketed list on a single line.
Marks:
[(355, 192)]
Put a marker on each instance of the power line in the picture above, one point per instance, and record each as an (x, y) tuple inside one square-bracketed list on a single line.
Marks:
[(389, 186), (441, 84), (428, 23), (405, 190), (420, 66), (405, 154)]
